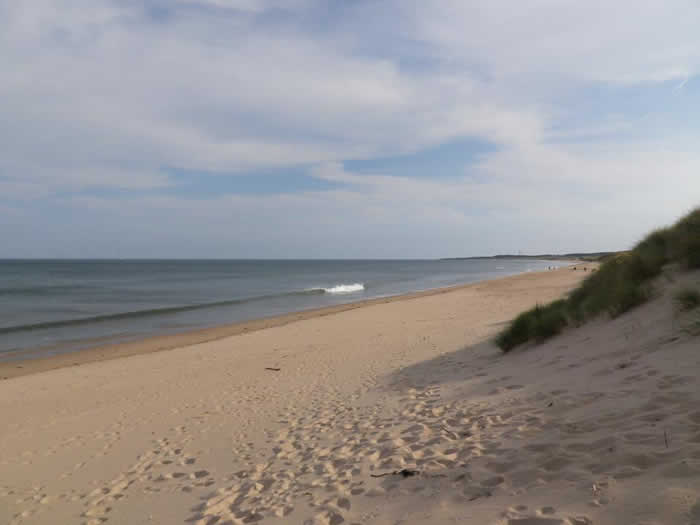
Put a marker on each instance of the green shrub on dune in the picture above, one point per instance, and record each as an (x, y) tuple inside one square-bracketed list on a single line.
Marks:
[(538, 323), (518, 332), (615, 288), (686, 240), (621, 283), (687, 299), (654, 249), (551, 320)]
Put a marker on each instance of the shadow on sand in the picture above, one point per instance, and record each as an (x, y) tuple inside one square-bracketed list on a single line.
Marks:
[(471, 362)]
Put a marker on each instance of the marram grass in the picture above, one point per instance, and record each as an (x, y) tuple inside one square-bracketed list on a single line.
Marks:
[(687, 299), (621, 283)]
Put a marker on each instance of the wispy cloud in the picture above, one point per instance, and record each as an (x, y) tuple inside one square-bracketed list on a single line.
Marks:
[(680, 85), (116, 95)]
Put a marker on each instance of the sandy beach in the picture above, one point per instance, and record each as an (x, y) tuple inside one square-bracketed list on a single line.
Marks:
[(396, 411)]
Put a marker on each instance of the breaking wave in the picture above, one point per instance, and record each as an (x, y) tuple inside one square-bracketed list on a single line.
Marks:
[(338, 289), (345, 288)]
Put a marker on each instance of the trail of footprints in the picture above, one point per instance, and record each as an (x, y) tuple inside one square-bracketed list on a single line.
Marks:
[(322, 462), (326, 459), (520, 515), (154, 471)]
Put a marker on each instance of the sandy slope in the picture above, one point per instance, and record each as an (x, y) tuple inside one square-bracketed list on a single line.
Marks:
[(602, 425)]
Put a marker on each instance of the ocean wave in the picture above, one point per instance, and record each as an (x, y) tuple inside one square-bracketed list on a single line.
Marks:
[(41, 290), (345, 288), (114, 317), (169, 310)]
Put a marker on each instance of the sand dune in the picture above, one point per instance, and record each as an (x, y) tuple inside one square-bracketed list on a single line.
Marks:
[(401, 412)]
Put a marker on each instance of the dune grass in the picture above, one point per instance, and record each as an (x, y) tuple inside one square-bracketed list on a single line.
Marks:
[(687, 299), (538, 323), (622, 282)]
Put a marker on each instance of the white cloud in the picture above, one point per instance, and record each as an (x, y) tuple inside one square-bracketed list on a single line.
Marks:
[(621, 42), (103, 94), (253, 6), (93, 83), (582, 201)]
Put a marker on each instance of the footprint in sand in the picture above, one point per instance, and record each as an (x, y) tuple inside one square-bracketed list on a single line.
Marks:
[(695, 512), (535, 521), (542, 520)]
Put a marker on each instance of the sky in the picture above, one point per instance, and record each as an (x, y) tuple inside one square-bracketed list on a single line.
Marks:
[(346, 129)]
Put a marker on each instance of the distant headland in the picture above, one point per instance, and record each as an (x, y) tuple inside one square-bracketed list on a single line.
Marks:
[(593, 256)]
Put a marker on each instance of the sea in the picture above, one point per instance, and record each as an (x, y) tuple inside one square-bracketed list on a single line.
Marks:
[(56, 306)]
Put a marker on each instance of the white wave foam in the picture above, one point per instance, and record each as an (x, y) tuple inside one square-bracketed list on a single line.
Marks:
[(345, 288)]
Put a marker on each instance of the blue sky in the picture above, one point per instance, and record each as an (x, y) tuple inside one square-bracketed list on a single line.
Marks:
[(300, 128)]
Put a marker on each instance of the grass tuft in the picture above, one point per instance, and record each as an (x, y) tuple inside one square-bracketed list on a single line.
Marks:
[(621, 283), (686, 240), (687, 299), (538, 323)]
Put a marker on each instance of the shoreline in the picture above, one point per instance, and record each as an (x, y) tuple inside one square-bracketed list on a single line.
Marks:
[(164, 342), (304, 422), (310, 421)]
